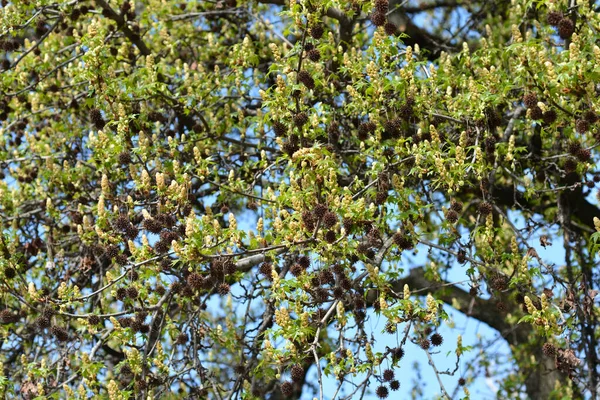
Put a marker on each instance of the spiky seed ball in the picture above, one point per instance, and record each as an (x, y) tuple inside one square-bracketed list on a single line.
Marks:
[(131, 232), (549, 117), (93, 320), (195, 280), (229, 267), (296, 269), (141, 384), (330, 237), (96, 118), (8, 317), (584, 155), (316, 31), (461, 256), (10, 272), (394, 385), (392, 127), (574, 148), (122, 259), (61, 334), (297, 373), (403, 241), (309, 46), (187, 291), (304, 261), (307, 80), (329, 219), (314, 55), (279, 128), (398, 353), (288, 148), (320, 294), (345, 282), (43, 322), (132, 292), (287, 389), (582, 125), (266, 269), (565, 28), (338, 292), (126, 370), (381, 197), (121, 223), (549, 349), (590, 116), (462, 382), (300, 119), (382, 392), (437, 339), (554, 17), (451, 216), (425, 344), (378, 18), (320, 210), (570, 165), (326, 277), (390, 28), (112, 251), (121, 293), (152, 225), (485, 208), (338, 269), (473, 291), (182, 338), (456, 206), (382, 6), (388, 375), (124, 158), (536, 113), (162, 246), (363, 131), (223, 289), (530, 100)]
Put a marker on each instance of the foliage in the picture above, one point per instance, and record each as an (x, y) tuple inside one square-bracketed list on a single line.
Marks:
[(213, 199)]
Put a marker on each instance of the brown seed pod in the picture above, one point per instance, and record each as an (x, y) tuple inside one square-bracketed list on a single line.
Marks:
[(297, 373), (378, 18), (566, 27), (554, 17), (307, 80), (96, 118), (451, 216), (314, 55), (316, 31), (530, 100), (300, 119), (436, 339), (390, 28), (223, 289), (485, 208), (61, 334)]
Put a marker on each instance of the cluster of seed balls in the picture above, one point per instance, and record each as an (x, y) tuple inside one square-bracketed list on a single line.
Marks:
[(297, 375), (379, 17), (564, 25)]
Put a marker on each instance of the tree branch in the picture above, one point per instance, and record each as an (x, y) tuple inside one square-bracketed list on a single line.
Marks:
[(133, 37)]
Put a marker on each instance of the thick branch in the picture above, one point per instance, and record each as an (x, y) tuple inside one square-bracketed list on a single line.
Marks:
[(133, 37)]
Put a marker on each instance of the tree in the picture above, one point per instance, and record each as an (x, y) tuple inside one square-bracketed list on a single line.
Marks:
[(212, 199)]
